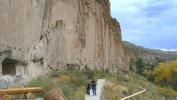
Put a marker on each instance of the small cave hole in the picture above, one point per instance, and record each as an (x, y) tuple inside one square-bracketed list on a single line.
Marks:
[(9, 66)]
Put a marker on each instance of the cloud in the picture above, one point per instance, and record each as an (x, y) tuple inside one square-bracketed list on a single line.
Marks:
[(147, 23), (156, 8)]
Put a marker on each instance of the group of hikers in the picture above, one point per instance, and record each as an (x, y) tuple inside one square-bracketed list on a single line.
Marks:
[(93, 85)]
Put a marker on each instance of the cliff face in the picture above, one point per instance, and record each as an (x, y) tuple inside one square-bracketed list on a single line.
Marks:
[(148, 55), (38, 36)]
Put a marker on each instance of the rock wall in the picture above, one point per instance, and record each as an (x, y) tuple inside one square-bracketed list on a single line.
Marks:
[(148, 55), (38, 36)]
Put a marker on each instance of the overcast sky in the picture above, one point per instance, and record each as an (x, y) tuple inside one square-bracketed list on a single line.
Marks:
[(148, 23)]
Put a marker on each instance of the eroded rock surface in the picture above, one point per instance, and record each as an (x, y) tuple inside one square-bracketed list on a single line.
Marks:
[(55, 94), (151, 56), (38, 36)]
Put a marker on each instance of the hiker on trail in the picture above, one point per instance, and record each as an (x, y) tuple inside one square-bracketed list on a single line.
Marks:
[(88, 88), (93, 83)]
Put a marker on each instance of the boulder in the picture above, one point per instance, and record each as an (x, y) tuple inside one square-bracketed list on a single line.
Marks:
[(2, 97), (55, 94), (7, 97), (30, 96)]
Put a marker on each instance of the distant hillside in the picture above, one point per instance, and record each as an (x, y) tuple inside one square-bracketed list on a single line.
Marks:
[(148, 55)]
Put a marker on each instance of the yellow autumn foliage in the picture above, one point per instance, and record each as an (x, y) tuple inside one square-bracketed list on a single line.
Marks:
[(145, 73), (174, 67), (165, 71)]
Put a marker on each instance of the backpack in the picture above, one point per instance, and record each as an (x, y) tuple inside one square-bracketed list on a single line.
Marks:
[(94, 83), (88, 86)]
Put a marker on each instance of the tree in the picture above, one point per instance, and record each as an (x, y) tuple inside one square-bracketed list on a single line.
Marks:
[(159, 60), (145, 73), (162, 73), (152, 66), (131, 68), (174, 74), (166, 74), (139, 66)]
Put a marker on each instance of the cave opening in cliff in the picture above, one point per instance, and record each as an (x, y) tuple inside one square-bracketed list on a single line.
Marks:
[(8, 66)]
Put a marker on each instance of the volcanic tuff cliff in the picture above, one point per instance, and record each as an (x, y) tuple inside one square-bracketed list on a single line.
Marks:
[(38, 36), (148, 55)]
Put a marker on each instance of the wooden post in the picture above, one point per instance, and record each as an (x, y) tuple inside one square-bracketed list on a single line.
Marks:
[(119, 92), (140, 94)]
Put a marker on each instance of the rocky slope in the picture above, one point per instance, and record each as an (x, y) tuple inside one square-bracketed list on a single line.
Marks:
[(148, 55), (39, 36)]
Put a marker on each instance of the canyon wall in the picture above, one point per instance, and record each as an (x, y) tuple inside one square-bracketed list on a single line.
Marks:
[(148, 55), (39, 36)]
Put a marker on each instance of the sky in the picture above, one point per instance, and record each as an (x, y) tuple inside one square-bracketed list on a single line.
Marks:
[(148, 23)]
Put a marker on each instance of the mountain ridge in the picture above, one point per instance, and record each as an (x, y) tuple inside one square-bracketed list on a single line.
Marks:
[(135, 52), (126, 43)]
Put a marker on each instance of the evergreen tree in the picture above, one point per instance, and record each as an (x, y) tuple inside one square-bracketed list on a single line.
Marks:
[(131, 68), (139, 66)]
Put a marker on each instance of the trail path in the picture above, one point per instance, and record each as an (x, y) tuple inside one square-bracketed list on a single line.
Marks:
[(100, 84)]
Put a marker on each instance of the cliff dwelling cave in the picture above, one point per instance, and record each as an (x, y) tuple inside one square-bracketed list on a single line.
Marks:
[(8, 66)]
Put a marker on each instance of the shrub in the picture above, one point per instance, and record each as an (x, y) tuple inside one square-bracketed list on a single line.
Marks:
[(79, 81), (167, 91), (71, 82), (55, 74), (44, 82), (89, 74), (64, 78)]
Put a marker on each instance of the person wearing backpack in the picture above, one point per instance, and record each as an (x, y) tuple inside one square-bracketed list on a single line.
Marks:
[(93, 84), (88, 88)]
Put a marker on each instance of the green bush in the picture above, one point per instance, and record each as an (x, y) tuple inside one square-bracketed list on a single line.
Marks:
[(44, 82), (89, 74), (55, 74), (71, 82), (167, 91)]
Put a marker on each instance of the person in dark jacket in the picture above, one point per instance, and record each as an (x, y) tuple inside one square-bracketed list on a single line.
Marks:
[(88, 88), (93, 83)]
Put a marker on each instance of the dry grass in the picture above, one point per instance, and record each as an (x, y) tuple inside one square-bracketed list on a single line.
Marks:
[(113, 90), (152, 92)]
